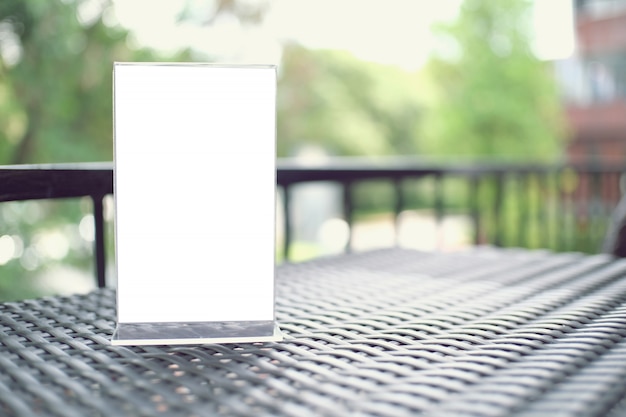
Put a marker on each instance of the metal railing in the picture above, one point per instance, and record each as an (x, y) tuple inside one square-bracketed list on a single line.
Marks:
[(564, 207)]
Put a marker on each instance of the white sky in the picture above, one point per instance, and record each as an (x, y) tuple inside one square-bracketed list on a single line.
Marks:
[(393, 32)]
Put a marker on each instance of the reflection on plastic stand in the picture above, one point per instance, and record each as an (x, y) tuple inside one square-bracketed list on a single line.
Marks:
[(195, 333), (194, 263)]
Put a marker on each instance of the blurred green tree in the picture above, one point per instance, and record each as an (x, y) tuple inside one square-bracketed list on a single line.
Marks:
[(492, 96), (344, 105), (55, 79)]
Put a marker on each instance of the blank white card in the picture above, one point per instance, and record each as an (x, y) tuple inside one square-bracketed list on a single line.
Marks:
[(195, 192)]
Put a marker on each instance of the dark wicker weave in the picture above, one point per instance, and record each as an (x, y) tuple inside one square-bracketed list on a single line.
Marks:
[(387, 333)]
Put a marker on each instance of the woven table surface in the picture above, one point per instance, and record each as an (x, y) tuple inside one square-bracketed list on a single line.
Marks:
[(386, 333)]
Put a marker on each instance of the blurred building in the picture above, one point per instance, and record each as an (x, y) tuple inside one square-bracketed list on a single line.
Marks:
[(593, 81)]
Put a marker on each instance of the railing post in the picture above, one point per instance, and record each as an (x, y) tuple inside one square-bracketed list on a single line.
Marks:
[(597, 209), (286, 222), (473, 207), (438, 197), (497, 209), (551, 214), (524, 209), (98, 217), (569, 182), (347, 212), (398, 206)]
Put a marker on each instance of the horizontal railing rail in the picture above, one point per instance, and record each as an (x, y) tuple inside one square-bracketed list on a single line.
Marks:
[(504, 201)]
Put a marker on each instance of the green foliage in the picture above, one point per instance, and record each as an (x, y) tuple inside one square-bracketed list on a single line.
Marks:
[(345, 105), (56, 97), (493, 97)]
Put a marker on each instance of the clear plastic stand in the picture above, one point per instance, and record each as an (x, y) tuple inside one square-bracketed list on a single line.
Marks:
[(195, 201)]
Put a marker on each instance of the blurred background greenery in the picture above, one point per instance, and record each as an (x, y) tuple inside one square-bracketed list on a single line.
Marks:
[(480, 91)]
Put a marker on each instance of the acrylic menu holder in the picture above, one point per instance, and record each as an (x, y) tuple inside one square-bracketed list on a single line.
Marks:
[(195, 201)]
